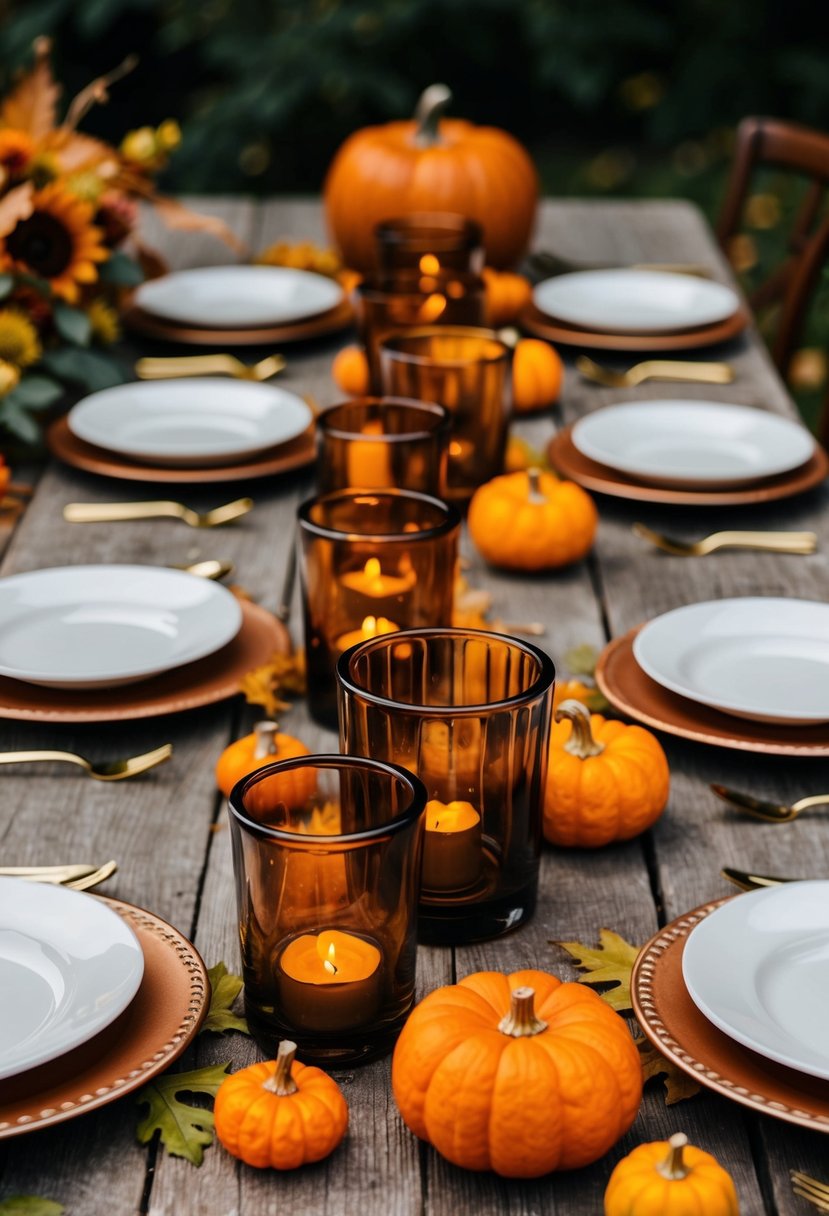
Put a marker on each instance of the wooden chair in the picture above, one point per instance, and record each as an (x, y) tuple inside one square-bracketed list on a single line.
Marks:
[(783, 145)]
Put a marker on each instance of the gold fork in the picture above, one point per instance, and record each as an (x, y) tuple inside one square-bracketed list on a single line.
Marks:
[(768, 812), (107, 512), (747, 880), (79, 877), (168, 368), (116, 770), (655, 369), (817, 1193), (92, 880), (771, 542)]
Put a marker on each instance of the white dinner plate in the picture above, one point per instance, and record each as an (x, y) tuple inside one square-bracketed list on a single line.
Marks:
[(69, 966), (634, 301), (693, 441), (758, 968), (97, 626), (757, 657), (238, 297), (198, 421)]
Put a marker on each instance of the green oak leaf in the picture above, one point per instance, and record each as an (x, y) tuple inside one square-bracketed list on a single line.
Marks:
[(29, 1205), (224, 989), (184, 1130)]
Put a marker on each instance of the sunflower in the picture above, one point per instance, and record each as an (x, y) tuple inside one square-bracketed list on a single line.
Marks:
[(58, 242), (16, 149), (19, 343)]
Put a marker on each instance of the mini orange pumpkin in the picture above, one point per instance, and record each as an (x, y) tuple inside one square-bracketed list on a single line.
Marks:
[(537, 376), (263, 746), (531, 521), (520, 1074), (506, 294), (606, 781), (350, 371), (431, 164), (670, 1178), (280, 1113)]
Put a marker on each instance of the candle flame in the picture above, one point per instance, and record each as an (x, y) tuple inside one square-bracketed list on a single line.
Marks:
[(429, 264), (328, 962), (431, 308), (369, 626), (373, 568)]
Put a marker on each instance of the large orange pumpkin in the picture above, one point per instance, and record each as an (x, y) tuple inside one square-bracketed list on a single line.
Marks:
[(431, 164), (520, 1074)]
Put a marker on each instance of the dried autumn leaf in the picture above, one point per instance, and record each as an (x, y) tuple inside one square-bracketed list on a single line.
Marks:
[(264, 685), (184, 1130), (581, 660), (224, 989), (611, 962), (15, 206), (32, 104), (678, 1085)]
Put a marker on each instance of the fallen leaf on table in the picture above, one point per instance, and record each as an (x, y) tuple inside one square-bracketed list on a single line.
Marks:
[(678, 1085), (470, 606), (184, 1130), (224, 989), (611, 962), (29, 1205), (581, 660), (265, 685)]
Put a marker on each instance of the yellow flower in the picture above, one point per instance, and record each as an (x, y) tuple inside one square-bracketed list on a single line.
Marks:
[(104, 321), (19, 343), (9, 377), (168, 135), (58, 242), (139, 146), (43, 169), (86, 185)]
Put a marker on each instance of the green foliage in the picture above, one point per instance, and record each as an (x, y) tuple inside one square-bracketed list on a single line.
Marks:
[(72, 324), (29, 1205), (184, 1130), (224, 989)]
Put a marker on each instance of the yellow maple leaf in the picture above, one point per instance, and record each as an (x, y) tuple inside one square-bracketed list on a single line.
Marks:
[(611, 962), (265, 685)]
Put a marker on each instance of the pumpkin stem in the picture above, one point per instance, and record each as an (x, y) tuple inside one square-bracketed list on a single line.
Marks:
[(521, 1019), (581, 742), (535, 494), (428, 113), (265, 745), (673, 1167), (282, 1083)]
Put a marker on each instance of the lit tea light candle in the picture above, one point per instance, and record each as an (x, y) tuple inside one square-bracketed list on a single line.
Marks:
[(429, 264), (369, 464), (373, 583), (329, 982), (452, 846), (372, 627)]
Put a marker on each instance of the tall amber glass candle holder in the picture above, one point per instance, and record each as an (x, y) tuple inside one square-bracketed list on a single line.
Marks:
[(467, 371), (429, 241), (411, 299), (469, 712), (382, 443), (372, 563), (326, 854)]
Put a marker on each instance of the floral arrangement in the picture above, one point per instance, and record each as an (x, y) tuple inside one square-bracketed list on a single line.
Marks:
[(68, 205)]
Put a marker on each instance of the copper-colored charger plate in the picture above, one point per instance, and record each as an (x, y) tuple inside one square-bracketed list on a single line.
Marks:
[(566, 458), (154, 1030), (330, 322), (628, 689), (672, 1022), (214, 678), (67, 447), (541, 326)]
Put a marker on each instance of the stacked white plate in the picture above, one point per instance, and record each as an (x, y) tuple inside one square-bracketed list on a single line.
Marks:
[(758, 968)]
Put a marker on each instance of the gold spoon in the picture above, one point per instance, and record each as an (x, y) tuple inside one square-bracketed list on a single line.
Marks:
[(107, 512), (116, 770), (747, 881), (768, 812), (168, 368), (208, 568), (655, 369), (771, 542)]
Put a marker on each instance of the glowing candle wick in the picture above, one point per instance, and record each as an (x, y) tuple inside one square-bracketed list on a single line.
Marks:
[(328, 963)]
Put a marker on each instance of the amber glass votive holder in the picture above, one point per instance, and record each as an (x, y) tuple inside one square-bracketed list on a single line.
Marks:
[(326, 856), (381, 443), (373, 563), (409, 300), (429, 241), (469, 712), (467, 371)]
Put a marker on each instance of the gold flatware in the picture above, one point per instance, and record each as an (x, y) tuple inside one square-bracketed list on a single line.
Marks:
[(168, 368), (747, 881), (769, 812), (116, 770), (109, 512), (770, 542), (806, 1187), (209, 568), (655, 369), (551, 265), (54, 874), (95, 878), (283, 611)]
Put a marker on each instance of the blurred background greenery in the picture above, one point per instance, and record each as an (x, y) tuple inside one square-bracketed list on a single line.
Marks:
[(612, 97)]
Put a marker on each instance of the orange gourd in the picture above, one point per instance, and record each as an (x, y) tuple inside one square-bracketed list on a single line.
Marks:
[(537, 376), (431, 164), (350, 371), (531, 521), (605, 781), (265, 745), (505, 296), (670, 1178), (520, 1074), (280, 1113)]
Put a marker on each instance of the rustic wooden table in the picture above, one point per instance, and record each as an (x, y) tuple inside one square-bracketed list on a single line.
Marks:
[(169, 834)]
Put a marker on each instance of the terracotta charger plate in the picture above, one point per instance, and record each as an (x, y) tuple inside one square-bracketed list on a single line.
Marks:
[(540, 325), (296, 454), (330, 322), (672, 1022), (212, 679), (163, 1018), (628, 689), (566, 458)]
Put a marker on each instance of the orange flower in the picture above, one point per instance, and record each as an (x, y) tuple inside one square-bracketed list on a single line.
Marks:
[(16, 148), (58, 242)]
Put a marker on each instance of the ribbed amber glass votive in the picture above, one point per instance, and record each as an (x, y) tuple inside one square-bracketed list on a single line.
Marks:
[(469, 712), (467, 371), (382, 443), (409, 300), (429, 242), (326, 855), (372, 563)]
